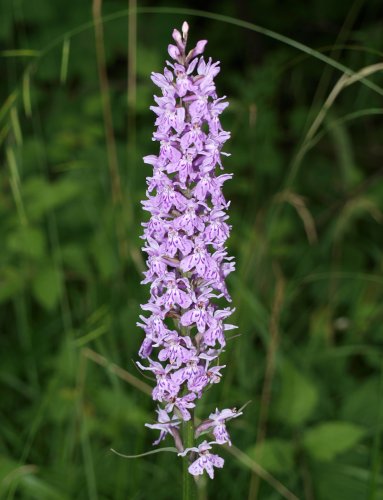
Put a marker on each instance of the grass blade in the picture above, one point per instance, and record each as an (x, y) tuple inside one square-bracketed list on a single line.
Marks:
[(65, 60)]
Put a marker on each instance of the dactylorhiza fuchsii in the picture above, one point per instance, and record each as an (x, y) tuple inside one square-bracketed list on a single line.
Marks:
[(187, 259)]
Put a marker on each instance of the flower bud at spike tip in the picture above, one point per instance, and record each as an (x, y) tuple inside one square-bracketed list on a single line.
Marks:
[(174, 52), (177, 38), (187, 260), (200, 47), (185, 30)]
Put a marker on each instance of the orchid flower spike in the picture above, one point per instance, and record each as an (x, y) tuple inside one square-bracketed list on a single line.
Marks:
[(185, 243)]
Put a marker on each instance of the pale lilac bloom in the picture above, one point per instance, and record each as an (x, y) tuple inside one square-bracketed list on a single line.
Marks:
[(166, 386), (183, 81), (194, 136), (206, 461), (165, 425), (185, 238), (176, 349), (176, 241), (174, 294), (217, 328), (214, 374), (199, 315), (157, 264), (183, 405), (167, 197), (216, 424), (168, 149), (184, 166), (205, 186), (191, 371), (219, 419), (153, 326), (190, 220), (216, 108), (156, 226), (169, 114), (198, 49), (146, 348), (217, 231), (199, 259), (164, 81)]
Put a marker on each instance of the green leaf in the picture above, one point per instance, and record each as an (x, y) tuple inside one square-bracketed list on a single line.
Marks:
[(12, 281), (76, 259), (298, 398), (37, 488), (120, 407), (361, 405), (275, 455), (24, 478), (333, 480), (42, 196), (104, 255), (27, 241), (325, 441), (47, 287)]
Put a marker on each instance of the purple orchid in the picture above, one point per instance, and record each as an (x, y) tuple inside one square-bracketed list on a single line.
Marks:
[(187, 261), (183, 405), (165, 425), (216, 423), (205, 461)]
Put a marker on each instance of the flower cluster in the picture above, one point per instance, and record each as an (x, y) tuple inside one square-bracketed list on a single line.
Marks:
[(185, 243)]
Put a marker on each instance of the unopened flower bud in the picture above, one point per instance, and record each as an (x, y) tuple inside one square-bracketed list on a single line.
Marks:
[(174, 52), (185, 30), (198, 49), (178, 38)]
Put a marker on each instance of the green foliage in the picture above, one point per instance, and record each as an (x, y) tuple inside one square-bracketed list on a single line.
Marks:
[(357, 405), (307, 214), (298, 397), (275, 455), (326, 440), (46, 286)]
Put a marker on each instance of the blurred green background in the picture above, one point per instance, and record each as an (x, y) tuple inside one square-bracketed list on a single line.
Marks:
[(307, 201)]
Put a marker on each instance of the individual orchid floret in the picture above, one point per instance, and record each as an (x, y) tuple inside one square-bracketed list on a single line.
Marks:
[(216, 423), (216, 332), (206, 461), (182, 405), (176, 349), (166, 425)]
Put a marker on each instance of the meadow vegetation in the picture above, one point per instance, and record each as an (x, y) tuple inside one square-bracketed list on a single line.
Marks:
[(307, 212)]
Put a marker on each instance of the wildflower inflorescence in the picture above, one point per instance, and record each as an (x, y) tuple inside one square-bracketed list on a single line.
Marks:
[(187, 258)]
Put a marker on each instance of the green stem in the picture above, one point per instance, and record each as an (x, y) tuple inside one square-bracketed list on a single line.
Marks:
[(189, 489)]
